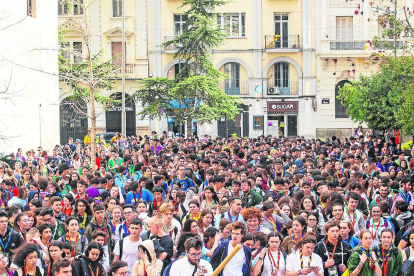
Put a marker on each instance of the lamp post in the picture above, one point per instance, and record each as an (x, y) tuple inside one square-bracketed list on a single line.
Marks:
[(123, 113)]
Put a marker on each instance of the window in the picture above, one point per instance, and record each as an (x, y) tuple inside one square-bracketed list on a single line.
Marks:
[(31, 8), (117, 8), (234, 25), (179, 22), (344, 28), (70, 7), (77, 7), (282, 30), (258, 122), (282, 77), (63, 8), (77, 52), (232, 84), (117, 52), (65, 47), (340, 110)]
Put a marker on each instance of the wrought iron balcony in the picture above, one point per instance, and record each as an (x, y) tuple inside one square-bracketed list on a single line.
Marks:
[(235, 88), (171, 47), (279, 42), (282, 88), (356, 45)]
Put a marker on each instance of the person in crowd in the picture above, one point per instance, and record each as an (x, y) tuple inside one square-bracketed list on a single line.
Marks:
[(148, 264), (89, 263), (304, 261), (26, 259), (271, 261), (192, 262), (390, 258), (240, 263)]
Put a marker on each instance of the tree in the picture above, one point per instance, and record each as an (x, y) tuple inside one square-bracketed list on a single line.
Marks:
[(195, 92), (385, 100), (89, 75)]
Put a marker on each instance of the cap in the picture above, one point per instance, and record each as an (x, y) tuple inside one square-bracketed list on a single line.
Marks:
[(77, 140)]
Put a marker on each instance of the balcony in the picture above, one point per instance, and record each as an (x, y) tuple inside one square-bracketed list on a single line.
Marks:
[(276, 43), (356, 45), (129, 71), (235, 88), (282, 88), (172, 48)]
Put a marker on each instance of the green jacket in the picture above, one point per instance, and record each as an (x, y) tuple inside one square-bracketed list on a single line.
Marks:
[(354, 260), (395, 260), (253, 198)]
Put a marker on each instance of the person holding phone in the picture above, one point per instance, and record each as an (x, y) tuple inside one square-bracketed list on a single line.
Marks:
[(304, 261)]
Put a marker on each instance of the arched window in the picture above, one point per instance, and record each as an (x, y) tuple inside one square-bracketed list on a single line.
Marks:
[(113, 115), (340, 110), (73, 120)]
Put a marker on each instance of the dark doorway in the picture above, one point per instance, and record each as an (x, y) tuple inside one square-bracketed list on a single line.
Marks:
[(228, 127), (72, 122), (113, 115), (340, 110)]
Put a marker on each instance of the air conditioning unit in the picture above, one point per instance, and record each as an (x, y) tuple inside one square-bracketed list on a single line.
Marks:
[(273, 90)]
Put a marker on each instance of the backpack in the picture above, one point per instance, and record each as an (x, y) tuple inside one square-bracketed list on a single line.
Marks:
[(407, 268), (121, 247), (167, 269), (401, 233)]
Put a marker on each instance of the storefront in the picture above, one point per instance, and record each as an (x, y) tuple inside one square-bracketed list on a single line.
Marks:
[(282, 119)]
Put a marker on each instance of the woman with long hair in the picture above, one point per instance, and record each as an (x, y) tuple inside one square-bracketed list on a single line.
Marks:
[(271, 261), (21, 225), (110, 202), (78, 241), (25, 258), (363, 260), (148, 263), (27, 178), (4, 270), (308, 205), (290, 242), (205, 221), (83, 213), (304, 261), (89, 264), (210, 198)]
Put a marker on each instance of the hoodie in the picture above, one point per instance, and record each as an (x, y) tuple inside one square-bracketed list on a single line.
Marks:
[(153, 268), (403, 218)]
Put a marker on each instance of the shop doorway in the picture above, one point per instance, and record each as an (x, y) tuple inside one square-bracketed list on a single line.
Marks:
[(282, 124)]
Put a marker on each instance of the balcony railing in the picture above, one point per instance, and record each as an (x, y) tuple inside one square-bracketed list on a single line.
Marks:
[(282, 88), (279, 42), (129, 70), (356, 45), (171, 47), (235, 88)]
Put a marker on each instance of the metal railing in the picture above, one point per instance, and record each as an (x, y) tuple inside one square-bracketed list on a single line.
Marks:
[(235, 88), (282, 88), (280, 42), (171, 47), (356, 45)]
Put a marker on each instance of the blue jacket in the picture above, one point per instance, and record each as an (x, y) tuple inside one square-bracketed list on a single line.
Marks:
[(221, 253), (145, 195)]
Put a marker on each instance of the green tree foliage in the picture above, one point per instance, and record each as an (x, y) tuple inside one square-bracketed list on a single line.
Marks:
[(385, 100), (195, 92), (86, 74)]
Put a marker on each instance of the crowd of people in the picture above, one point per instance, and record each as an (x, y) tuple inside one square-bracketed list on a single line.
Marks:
[(151, 206)]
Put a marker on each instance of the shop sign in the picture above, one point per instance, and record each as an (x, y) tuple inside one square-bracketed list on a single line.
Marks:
[(282, 106)]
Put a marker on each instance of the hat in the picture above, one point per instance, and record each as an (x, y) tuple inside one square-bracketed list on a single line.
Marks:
[(92, 192), (77, 140)]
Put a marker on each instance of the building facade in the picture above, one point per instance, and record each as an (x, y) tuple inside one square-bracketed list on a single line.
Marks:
[(104, 19), (344, 51), (29, 82), (268, 56)]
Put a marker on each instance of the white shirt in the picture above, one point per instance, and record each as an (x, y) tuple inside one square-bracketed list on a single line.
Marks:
[(268, 264), (182, 267), (293, 262), (129, 252), (235, 266)]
